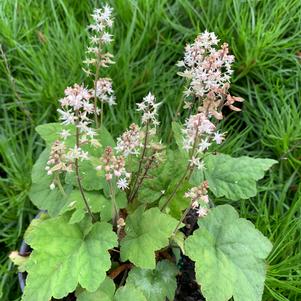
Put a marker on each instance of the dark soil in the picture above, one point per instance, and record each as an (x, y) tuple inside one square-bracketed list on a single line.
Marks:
[(187, 288)]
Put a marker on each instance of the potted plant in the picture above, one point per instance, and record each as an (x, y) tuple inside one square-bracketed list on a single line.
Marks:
[(130, 219)]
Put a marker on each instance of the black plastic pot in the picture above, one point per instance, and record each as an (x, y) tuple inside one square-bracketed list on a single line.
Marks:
[(25, 251)]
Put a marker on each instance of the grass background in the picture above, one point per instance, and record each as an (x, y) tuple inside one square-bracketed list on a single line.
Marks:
[(42, 48)]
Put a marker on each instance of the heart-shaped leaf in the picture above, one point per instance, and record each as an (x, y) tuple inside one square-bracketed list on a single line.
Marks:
[(65, 255), (156, 285), (146, 232), (229, 256)]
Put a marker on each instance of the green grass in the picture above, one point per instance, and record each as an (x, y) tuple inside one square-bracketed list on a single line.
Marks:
[(43, 43)]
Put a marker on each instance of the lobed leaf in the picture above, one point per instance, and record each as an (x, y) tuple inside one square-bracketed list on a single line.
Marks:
[(146, 232), (65, 255), (235, 178), (229, 256), (157, 284)]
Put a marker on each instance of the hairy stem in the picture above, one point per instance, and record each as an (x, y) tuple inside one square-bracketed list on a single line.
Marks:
[(182, 218), (59, 185), (141, 160), (115, 212), (79, 180), (101, 114), (184, 177), (95, 97), (147, 167), (176, 188)]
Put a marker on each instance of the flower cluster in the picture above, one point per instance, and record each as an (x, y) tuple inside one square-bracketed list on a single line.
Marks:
[(130, 141), (149, 109), (199, 198), (114, 166), (198, 132), (62, 159), (102, 20), (75, 110), (208, 70), (76, 107), (104, 91), (57, 159)]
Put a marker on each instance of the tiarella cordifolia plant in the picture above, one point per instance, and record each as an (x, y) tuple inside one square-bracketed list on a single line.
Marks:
[(116, 225)]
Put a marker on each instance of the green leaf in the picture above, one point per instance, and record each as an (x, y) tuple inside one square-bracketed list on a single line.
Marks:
[(121, 199), (177, 133), (105, 137), (229, 256), (178, 202), (179, 239), (88, 174), (156, 285), (235, 178), (50, 132), (162, 177), (40, 193), (105, 292), (197, 177), (65, 255), (146, 232), (97, 202), (129, 293), (178, 136)]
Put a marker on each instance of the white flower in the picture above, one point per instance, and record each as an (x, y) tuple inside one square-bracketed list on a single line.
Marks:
[(52, 186), (122, 183), (218, 138), (74, 153), (106, 38), (111, 100), (202, 211), (67, 117), (195, 128), (180, 64), (149, 109), (194, 161), (104, 91), (130, 141), (203, 145), (195, 205), (207, 126), (65, 134), (84, 155)]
